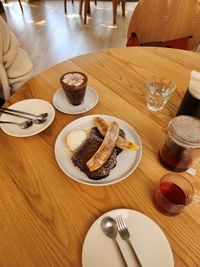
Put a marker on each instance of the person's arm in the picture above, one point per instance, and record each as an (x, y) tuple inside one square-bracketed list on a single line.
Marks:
[(16, 62)]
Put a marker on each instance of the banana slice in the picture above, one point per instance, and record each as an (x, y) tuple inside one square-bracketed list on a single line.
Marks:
[(121, 142), (106, 148)]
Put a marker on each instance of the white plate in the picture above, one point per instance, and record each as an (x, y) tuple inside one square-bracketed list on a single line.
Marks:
[(148, 240), (35, 106), (60, 102), (127, 161)]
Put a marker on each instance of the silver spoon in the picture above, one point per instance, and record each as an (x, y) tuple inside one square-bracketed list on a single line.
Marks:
[(22, 125), (109, 228), (39, 118)]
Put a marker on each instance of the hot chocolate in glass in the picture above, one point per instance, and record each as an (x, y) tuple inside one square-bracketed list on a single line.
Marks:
[(74, 84)]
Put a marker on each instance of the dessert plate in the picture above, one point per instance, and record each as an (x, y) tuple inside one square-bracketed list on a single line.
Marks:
[(148, 240), (60, 102), (127, 161), (35, 106)]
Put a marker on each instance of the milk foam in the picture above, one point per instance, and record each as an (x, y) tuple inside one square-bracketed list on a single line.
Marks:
[(73, 79)]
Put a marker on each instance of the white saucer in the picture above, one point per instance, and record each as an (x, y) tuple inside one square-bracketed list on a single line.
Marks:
[(149, 241), (35, 106), (60, 102)]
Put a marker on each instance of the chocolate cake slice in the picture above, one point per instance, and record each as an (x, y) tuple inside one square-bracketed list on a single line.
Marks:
[(88, 149)]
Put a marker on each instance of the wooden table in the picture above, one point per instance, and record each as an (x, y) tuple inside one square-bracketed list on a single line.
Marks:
[(44, 215)]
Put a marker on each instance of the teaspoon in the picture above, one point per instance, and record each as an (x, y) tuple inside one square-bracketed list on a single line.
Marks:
[(109, 228), (22, 125), (39, 118)]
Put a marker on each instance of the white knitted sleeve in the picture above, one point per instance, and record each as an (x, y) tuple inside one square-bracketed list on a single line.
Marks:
[(15, 60)]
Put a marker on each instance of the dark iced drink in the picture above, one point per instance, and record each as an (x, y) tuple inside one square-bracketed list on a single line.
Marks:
[(190, 104), (74, 84), (182, 143)]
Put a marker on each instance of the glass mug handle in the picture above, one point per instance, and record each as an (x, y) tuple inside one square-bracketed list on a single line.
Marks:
[(196, 199)]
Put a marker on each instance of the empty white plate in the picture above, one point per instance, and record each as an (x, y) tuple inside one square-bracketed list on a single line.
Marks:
[(60, 102), (147, 238)]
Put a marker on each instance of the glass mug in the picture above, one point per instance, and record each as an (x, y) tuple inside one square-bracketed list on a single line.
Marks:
[(173, 193), (182, 145)]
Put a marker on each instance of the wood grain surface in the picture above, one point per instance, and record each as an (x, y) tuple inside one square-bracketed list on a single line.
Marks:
[(44, 215), (157, 20)]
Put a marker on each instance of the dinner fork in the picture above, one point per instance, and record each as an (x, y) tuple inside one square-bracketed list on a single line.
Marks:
[(125, 235)]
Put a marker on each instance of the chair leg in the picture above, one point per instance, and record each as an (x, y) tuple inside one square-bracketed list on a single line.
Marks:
[(88, 7), (115, 3), (80, 7), (85, 10), (65, 6), (123, 7), (20, 5)]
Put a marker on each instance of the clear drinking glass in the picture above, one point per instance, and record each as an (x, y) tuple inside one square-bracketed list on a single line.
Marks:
[(159, 91), (173, 193)]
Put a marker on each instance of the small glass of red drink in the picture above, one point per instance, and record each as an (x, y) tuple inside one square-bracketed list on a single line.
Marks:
[(173, 193)]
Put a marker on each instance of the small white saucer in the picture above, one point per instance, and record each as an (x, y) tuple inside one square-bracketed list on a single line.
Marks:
[(60, 102)]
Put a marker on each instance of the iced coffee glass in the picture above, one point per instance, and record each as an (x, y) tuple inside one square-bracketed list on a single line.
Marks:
[(182, 145)]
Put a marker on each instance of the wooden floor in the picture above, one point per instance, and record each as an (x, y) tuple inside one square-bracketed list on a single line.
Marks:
[(50, 37)]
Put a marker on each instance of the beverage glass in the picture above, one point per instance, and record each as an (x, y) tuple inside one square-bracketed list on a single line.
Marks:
[(74, 84), (182, 145), (173, 193), (158, 92)]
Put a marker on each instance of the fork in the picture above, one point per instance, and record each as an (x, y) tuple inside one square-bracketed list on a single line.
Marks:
[(125, 235)]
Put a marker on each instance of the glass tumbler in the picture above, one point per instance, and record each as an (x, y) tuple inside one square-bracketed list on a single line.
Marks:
[(173, 193), (158, 92)]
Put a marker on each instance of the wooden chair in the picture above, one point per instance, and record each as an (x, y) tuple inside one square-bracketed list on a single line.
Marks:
[(19, 1), (65, 5), (114, 5), (163, 20), (86, 8)]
